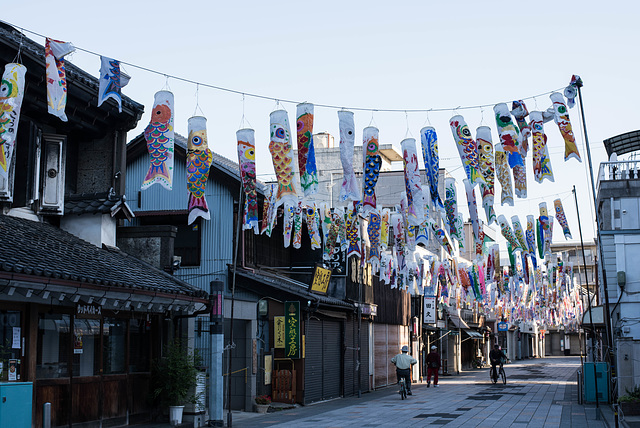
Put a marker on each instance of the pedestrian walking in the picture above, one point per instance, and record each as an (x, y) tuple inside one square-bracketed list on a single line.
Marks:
[(433, 366)]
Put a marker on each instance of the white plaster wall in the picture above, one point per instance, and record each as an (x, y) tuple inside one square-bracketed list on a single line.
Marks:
[(93, 228)]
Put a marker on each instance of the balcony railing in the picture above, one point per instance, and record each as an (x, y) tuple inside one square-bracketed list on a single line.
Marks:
[(619, 170)]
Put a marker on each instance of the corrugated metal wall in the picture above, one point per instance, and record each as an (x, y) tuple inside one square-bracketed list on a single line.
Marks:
[(217, 233)]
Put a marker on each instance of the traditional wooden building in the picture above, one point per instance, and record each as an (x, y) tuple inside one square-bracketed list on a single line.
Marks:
[(80, 320)]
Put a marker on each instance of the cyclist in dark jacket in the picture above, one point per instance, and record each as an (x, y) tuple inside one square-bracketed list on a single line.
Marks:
[(495, 357)]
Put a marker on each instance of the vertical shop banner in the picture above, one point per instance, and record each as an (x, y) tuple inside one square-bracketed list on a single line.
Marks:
[(321, 279), (292, 329), (429, 310), (278, 333)]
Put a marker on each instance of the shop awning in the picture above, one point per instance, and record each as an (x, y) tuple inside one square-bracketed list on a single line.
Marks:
[(457, 321), (288, 286), (473, 334)]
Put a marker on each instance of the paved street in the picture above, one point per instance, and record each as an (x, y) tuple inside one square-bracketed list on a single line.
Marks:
[(539, 392)]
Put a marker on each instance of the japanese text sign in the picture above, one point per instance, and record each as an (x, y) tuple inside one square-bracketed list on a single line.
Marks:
[(321, 278), (292, 329)]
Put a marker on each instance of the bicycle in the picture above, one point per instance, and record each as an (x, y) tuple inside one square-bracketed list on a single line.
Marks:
[(499, 374), (403, 389)]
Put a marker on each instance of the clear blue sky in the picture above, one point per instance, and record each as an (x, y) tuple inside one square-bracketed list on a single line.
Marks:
[(383, 55)]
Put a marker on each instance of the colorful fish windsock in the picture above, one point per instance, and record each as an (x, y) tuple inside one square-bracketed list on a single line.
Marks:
[(160, 140), (413, 185), (112, 80), (519, 232), (520, 179), (54, 52), (269, 210), (548, 236), (562, 219), (372, 164), (480, 241), (530, 236), (429, 140), (507, 232), (282, 157), (384, 227), (11, 95), (561, 117), (504, 177), (410, 235), (509, 134), (199, 159), (450, 203), (349, 188), (543, 230), (487, 168), (288, 214), (441, 237), (541, 161), (311, 215), (467, 148), (306, 151), (473, 209), (247, 162), (337, 220), (353, 232), (373, 229), (297, 225), (520, 112), (397, 223), (459, 230)]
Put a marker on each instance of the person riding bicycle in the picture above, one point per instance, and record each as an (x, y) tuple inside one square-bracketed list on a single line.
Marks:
[(495, 357), (403, 363)]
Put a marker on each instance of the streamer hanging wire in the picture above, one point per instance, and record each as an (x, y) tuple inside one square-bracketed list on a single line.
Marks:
[(280, 100)]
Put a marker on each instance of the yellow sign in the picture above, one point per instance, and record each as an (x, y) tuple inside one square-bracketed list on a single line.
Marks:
[(278, 328), (321, 278)]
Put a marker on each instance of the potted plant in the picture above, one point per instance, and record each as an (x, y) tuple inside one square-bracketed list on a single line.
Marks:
[(630, 402), (173, 378), (262, 403)]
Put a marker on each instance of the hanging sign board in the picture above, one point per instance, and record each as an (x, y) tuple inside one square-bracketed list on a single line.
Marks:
[(86, 310), (321, 278), (292, 330), (278, 333), (429, 310), (503, 326)]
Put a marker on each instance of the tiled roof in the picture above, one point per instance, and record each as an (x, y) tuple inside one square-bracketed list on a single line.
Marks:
[(42, 250), (93, 203)]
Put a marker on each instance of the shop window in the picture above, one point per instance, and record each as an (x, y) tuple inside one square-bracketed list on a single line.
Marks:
[(54, 339), (139, 345), (114, 333), (86, 347), (10, 343)]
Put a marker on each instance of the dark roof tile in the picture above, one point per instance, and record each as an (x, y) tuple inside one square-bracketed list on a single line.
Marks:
[(40, 249)]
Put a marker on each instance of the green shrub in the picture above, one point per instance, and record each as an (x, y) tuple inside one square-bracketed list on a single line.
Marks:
[(174, 375), (633, 395)]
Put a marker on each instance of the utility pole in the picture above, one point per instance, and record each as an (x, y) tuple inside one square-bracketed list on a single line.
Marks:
[(593, 331), (216, 347)]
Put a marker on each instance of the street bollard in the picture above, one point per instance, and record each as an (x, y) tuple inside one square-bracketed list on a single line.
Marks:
[(46, 415), (579, 387)]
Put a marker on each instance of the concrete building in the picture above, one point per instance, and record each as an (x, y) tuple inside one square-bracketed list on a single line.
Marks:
[(618, 205)]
